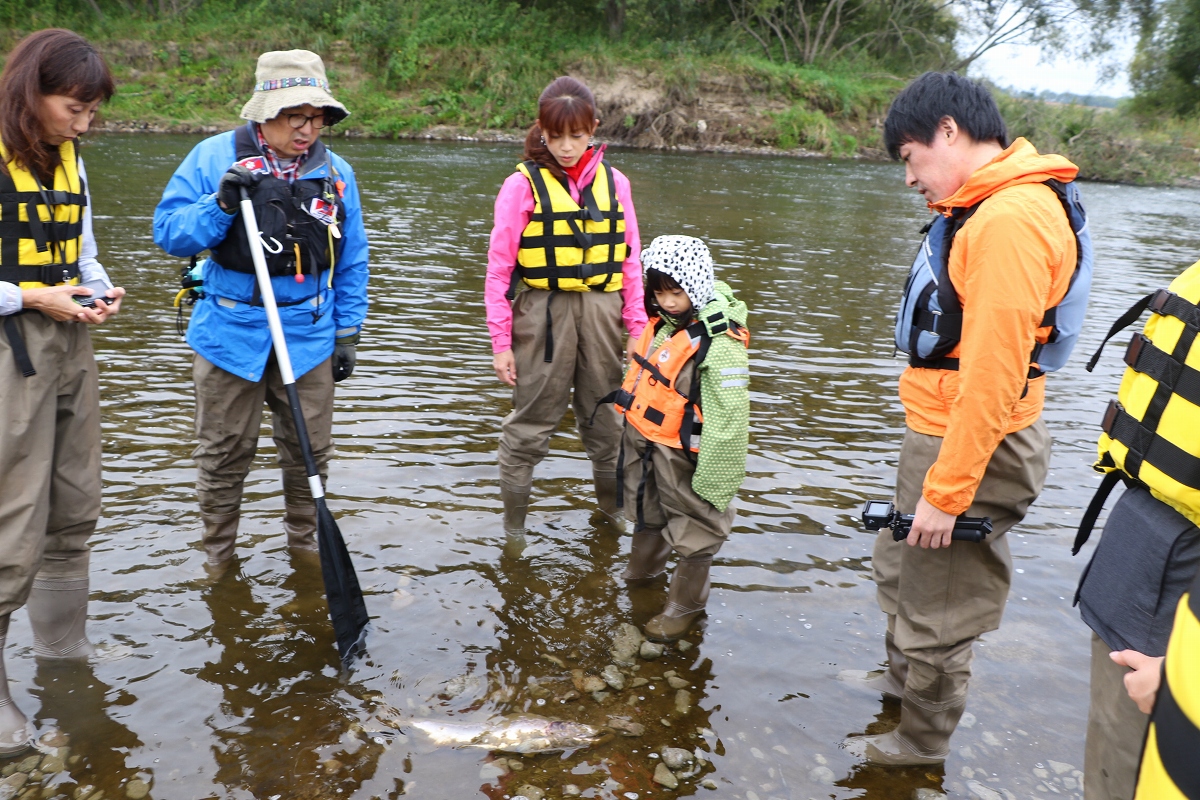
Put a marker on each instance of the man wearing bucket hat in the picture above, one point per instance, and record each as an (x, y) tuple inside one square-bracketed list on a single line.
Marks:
[(306, 201)]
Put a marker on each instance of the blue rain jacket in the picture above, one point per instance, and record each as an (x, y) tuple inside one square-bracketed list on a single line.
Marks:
[(225, 328)]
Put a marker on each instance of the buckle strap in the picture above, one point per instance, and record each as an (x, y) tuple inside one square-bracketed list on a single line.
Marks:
[(17, 343)]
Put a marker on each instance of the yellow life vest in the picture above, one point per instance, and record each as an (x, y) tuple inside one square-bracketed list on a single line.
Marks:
[(570, 247), (41, 229), (1152, 429), (1171, 760)]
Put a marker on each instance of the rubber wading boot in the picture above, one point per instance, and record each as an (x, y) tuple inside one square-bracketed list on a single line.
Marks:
[(889, 683), (648, 556), (300, 523), (220, 533), (516, 505), (606, 495), (685, 600), (14, 730), (58, 615), (922, 737)]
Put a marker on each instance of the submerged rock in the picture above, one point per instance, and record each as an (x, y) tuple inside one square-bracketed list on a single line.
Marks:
[(626, 642), (664, 776), (977, 789), (626, 726), (137, 789), (676, 758), (651, 650), (683, 702), (613, 677), (531, 792), (927, 794), (676, 682)]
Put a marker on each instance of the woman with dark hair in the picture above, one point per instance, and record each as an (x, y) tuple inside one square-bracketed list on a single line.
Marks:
[(51, 288), (566, 242)]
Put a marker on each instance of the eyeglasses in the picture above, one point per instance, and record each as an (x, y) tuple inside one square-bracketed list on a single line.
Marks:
[(298, 121)]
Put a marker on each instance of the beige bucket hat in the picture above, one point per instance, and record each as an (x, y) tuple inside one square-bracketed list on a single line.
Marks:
[(290, 78)]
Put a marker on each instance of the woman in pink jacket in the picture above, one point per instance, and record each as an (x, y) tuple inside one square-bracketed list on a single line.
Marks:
[(565, 243)]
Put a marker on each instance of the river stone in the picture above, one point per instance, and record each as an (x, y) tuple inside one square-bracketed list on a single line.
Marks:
[(1059, 767), (331, 765), (626, 642), (613, 677), (977, 789), (602, 698), (52, 765), (626, 726), (84, 791), (12, 784), (571, 790), (683, 702), (967, 720), (55, 738), (593, 683), (9, 769), (821, 775), (650, 650), (676, 758), (664, 776), (638, 683), (137, 789), (684, 645), (990, 738), (29, 764), (927, 794), (531, 792), (709, 783), (569, 696), (676, 682)]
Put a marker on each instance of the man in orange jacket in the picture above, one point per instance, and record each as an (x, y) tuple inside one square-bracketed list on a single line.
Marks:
[(975, 441)]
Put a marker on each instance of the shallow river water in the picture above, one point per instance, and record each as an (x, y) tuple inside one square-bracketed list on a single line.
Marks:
[(233, 688)]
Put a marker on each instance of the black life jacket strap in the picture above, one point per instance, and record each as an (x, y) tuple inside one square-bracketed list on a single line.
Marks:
[(548, 354), (1124, 321), (647, 464), (1145, 445), (620, 463), (689, 427), (1094, 508), (49, 274), (1144, 357), (543, 195), (17, 343)]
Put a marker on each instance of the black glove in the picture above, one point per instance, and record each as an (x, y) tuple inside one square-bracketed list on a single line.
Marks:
[(229, 193), (343, 358)]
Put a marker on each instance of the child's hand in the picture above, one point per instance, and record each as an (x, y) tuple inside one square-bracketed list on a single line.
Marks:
[(630, 349)]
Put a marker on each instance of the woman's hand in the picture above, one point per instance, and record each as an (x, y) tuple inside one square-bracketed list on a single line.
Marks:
[(1143, 679), (506, 367), (56, 303)]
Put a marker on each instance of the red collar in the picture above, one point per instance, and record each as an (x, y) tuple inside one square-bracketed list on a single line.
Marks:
[(576, 171)]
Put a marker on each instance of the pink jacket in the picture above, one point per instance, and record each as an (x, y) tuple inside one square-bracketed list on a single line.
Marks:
[(514, 205)]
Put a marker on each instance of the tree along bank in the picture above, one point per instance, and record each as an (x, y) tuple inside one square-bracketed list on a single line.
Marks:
[(478, 76)]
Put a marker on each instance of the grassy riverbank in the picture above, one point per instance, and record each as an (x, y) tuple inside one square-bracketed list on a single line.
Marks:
[(475, 69)]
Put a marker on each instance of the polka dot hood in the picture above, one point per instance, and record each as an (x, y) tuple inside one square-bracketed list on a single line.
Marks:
[(687, 260)]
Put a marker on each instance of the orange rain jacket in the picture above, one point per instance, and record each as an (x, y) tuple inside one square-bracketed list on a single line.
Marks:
[(1010, 263)]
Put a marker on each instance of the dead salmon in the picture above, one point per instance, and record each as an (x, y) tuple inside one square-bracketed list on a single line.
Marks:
[(523, 734)]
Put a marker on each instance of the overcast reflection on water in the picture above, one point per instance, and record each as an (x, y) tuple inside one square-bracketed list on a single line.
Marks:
[(233, 689)]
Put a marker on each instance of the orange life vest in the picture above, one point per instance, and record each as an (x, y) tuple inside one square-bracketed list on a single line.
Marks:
[(650, 397)]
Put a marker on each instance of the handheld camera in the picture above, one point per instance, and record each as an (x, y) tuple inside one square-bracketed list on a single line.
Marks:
[(878, 514)]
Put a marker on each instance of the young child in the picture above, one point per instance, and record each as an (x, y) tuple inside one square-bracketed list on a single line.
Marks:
[(686, 402), (565, 226)]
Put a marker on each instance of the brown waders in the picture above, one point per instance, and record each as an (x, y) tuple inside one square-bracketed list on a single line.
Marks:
[(49, 493), (1115, 732), (939, 601), (670, 516), (567, 349), (228, 420)]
